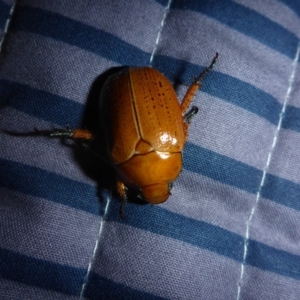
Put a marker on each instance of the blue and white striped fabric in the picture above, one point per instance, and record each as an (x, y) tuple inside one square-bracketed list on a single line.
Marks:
[(231, 229)]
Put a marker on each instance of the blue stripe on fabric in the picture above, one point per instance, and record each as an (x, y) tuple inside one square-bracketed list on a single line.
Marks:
[(36, 182), (106, 45), (282, 191), (203, 235), (44, 184), (225, 87), (160, 221), (77, 34), (40, 104), (293, 5), (246, 21), (274, 260), (221, 168), (163, 2), (291, 118), (231, 90), (60, 110), (102, 288), (40, 273), (152, 218), (232, 172), (4, 14)]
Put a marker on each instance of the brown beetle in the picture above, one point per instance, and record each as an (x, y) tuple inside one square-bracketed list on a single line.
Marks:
[(145, 129)]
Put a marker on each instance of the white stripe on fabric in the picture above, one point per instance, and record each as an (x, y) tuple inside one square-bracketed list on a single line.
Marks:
[(15, 290), (159, 265), (266, 168), (231, 131), (286, 161), (70, 70), (204, 199), (45, 230), (235, 50), (7, 25), (268, 286), (162, 23), (126, 15), (95, 250), (275, 11), (276, 226), (294, 99), (42, 152)]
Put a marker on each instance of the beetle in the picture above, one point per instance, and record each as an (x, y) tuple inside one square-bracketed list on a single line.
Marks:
[(145, 129)]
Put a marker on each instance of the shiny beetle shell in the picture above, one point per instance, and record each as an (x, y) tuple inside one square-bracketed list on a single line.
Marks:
[(143, 114), (145, 129)]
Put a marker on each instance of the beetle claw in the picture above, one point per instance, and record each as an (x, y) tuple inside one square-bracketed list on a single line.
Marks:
[(190, 114), (68, 132)]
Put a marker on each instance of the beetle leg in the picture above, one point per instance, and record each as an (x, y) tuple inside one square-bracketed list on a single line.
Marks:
[(122, 192), (80, 136), (192, 90), (74, 134)]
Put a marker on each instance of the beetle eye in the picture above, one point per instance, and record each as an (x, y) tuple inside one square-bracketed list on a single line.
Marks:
[(170, 186)]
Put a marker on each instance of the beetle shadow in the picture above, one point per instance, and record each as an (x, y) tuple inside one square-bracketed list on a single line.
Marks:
[(93, 161)]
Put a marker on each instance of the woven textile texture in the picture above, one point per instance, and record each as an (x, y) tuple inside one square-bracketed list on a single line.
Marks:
[(230, 230)]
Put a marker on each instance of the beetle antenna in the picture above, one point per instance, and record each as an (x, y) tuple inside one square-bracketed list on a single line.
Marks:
[(207, 70)]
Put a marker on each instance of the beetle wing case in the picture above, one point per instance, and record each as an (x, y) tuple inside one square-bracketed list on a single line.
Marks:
[(118, 117), (141, 113)]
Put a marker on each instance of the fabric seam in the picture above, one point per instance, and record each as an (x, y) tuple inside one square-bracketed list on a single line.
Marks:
[(92, 259), (162, 23), (266, 168), (7, 23)]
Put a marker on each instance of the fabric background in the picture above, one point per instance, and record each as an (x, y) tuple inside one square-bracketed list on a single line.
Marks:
[(231, 227)]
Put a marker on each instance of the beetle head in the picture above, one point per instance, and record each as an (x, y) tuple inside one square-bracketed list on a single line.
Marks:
[(156, 193)]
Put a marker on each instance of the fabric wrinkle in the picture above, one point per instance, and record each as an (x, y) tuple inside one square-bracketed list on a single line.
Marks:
[(92, 259)]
